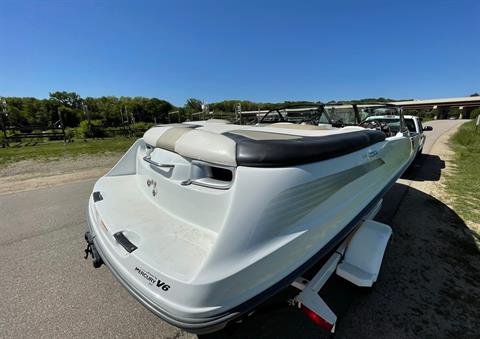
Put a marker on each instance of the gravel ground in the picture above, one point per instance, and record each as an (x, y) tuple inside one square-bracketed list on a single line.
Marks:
[(39, 168), (26, 175), (429, 285)]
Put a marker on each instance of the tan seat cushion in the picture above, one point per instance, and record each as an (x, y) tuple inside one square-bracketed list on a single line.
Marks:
[(170, 137), (207, 146)]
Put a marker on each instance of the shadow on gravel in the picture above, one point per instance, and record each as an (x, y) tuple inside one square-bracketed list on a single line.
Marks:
[(429, 285), (426, 167)]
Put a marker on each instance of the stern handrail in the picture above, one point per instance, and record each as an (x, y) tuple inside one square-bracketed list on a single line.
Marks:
[(148, 159)]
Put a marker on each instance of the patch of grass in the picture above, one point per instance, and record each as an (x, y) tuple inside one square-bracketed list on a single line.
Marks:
[(55, 150), (464, 184)]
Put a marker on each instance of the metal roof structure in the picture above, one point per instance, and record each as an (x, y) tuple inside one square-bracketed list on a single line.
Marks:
[(409, 104), (445, 102), (439, 106)]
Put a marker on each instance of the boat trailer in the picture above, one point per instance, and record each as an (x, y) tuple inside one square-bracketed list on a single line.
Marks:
[(357, 260)]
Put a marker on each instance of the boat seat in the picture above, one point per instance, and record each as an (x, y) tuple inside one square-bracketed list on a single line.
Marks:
[(257, 148), (192, 143)]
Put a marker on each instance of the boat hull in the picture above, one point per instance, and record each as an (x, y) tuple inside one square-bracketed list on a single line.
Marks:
[(273, 224)]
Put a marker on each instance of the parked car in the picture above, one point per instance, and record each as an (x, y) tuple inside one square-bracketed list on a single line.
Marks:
[(413, 123)]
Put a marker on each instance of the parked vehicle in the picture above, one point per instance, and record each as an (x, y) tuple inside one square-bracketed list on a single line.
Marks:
[(413, 123)]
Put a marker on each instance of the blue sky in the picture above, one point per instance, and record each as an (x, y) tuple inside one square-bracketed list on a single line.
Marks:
[(256, 50)]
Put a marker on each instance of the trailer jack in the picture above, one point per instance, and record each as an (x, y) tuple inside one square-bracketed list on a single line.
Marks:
[(92, 250)]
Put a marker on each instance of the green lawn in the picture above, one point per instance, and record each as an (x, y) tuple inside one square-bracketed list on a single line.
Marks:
[(464, 185), (54, 150)]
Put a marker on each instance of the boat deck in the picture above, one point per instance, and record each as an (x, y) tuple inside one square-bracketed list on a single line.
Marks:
[(163, 240)]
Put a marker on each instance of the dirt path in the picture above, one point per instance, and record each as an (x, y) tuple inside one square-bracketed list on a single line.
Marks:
[(430, 173), (28, 175)]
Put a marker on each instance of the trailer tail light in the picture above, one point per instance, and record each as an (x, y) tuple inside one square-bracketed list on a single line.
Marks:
[(317, 320)]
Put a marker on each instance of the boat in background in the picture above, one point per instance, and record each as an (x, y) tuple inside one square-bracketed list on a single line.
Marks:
[(204, 221)]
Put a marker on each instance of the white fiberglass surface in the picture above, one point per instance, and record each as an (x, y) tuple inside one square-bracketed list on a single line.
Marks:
[(268, 224), (163, 241), (222, 128)]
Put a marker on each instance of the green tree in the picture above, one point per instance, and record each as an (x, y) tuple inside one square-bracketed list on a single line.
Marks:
[(68, 99), (193, 105), (157, 110)]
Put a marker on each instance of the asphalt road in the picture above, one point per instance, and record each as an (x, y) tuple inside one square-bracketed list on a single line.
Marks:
[(48, 290)]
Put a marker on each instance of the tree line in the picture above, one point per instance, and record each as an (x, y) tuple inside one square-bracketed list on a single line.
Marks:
[(114, 111), (111, 111)]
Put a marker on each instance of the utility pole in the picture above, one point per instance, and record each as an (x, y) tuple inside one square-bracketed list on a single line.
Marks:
[(61, 123), (204, 109), (129, 120), (87, 115), (121, 115), (238, 113), (4, 114)]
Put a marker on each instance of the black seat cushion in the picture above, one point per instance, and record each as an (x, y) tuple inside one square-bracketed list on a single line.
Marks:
[(302, 150)]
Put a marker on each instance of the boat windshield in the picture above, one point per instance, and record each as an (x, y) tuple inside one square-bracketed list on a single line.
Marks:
[(342, 115), (390, 115), (366, 112), (336, 115), (353, 114), (297, 115)]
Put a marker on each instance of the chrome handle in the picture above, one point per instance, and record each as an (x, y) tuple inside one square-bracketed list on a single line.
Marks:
[(154, 163), (207, 182)]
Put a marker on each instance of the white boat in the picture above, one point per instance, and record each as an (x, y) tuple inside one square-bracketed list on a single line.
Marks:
[(204, 221)]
